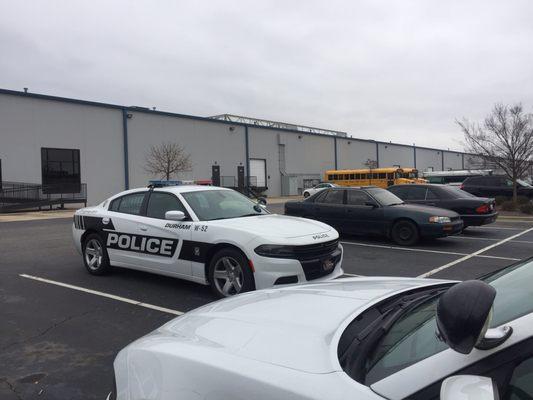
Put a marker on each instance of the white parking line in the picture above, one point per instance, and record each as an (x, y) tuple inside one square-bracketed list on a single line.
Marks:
[(476, 253), (452, 253), (490, 239), (494, 227), (102, 294)]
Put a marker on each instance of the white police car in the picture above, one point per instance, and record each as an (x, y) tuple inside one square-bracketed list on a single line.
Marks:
[(208, 235)]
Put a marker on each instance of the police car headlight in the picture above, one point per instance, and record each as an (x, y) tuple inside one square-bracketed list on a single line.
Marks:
[(275, 250), (440, 220)]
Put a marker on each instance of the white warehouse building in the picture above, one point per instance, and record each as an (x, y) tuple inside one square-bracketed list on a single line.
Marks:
[(44, 139)]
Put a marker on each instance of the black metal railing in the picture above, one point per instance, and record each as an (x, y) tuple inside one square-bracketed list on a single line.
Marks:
[(20, 195)]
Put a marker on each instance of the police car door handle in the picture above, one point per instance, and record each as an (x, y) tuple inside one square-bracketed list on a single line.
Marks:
[(143, 228)]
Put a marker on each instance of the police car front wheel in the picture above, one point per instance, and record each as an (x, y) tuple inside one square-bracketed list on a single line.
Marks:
[(230, 274), (95, 255)]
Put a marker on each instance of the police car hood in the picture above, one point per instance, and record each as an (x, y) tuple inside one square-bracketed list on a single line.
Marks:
[(296, 327), (275, 225)]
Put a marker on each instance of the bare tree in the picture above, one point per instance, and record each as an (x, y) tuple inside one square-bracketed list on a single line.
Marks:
[(504, 139), (167, 159), (370, 164)]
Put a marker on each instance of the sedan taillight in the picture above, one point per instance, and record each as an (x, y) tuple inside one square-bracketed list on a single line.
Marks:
[(483, 209)]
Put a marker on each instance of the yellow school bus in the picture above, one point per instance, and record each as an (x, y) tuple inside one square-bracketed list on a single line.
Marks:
[(382, 177)]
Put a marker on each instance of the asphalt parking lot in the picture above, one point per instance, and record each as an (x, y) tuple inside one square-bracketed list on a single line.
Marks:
[(61, 327)]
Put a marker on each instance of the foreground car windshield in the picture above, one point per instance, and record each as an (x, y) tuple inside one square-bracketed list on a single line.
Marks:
[(384, 197), (411, 337), (221, 204)]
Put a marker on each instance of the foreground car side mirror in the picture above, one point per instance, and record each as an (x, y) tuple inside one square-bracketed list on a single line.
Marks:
[(262, 201), (468, 387), (175, 215), (371, 204), (464, 313)]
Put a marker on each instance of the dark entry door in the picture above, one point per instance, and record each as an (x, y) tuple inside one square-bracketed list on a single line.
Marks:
[(240, 176), (215, 175)]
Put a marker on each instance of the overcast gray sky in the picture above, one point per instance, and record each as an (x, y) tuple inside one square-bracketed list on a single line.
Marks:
[(386, 70)]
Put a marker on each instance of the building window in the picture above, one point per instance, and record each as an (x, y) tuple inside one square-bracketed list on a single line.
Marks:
[(60, 170)]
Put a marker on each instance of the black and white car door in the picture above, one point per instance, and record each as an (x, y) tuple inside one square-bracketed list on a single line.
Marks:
[(120, 229), (164, 238)]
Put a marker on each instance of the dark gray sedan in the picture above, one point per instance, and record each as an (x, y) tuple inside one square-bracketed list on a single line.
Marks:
[(371, 210), (474, 211)]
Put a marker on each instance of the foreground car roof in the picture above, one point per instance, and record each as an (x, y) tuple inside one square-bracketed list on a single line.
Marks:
[(293, 327)]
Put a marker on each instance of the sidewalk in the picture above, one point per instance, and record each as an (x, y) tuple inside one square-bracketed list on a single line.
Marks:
[(284, 199), (36, 215), (515, 216)]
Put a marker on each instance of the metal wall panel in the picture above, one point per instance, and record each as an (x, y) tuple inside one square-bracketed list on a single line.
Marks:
[(427, 160), (27, 124), (353, 153), (391, 154), (208, 143)]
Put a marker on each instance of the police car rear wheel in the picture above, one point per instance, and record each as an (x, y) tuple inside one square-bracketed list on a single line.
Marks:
[(95, 255), (229, 273)]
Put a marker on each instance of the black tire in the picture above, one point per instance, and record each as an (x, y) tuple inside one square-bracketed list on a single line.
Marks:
[(240, 276), (94, 249), (405, 233), (306, 195)]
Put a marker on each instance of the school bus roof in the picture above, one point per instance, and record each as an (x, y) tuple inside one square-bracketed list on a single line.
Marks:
[(362, 170)]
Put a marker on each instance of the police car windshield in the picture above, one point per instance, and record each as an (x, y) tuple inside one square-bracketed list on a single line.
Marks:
[(209, 205)]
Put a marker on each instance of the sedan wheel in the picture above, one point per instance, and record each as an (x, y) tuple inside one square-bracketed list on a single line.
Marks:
[(405, 233), (95, 255), (229, 273), (306, 195)]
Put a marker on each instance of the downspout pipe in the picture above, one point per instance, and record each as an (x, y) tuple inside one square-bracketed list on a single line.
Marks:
[(125, 148), (247, 147)]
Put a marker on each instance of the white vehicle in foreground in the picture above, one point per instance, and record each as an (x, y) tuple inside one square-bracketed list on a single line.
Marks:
[(354, 338), (318, 188), (208, 235)]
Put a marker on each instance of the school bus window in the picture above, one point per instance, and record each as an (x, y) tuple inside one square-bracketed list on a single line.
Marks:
[(346, 177), (390, 176), (352, 176), (375, 176), (382, 176)]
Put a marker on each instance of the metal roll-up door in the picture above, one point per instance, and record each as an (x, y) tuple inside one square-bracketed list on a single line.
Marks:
[(258, 172)]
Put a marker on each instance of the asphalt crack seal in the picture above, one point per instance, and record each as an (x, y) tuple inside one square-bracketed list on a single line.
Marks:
[(11, 387), (48, 329)]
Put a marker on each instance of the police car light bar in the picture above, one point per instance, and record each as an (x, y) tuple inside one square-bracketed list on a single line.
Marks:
[(161, 183)]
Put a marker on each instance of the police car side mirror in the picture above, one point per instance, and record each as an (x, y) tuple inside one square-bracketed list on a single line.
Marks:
[(468, 387), (464, 313), (262, 201), (175, 215)]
